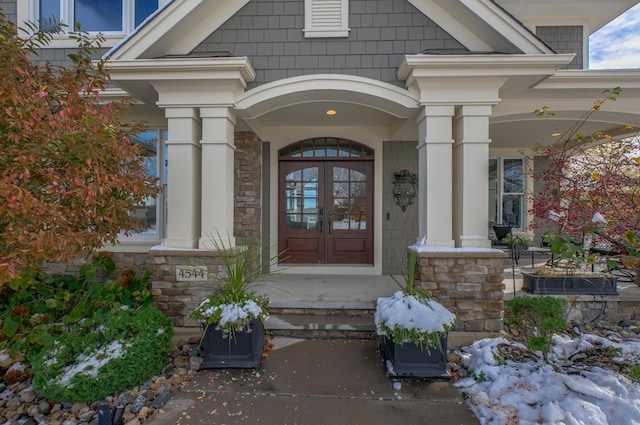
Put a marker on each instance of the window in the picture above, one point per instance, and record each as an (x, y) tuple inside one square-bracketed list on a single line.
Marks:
[(326, 18), (506, 191), (152, 213), (105, 16)]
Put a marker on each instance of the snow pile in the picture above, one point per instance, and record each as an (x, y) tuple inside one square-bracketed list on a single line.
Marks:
[(406, 312), (532, 392), (90, 364), (234, 313)]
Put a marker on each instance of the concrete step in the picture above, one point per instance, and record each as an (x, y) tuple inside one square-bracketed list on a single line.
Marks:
[(321, 321)]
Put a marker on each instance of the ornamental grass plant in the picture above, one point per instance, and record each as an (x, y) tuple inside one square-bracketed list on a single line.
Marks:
[(233, 306)]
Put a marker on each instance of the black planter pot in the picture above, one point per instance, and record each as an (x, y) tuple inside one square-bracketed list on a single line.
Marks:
[(580, 285), (240, 351), (409, 361), (501, 232)]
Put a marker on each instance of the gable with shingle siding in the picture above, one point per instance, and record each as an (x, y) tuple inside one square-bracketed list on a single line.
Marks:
[(270, 33)]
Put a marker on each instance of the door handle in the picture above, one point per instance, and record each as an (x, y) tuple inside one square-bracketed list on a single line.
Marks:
[(329, 225)]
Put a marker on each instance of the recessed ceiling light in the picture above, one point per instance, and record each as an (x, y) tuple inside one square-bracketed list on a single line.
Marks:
[(331, 112)]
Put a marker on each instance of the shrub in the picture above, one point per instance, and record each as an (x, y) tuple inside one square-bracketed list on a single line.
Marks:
[(102, 356), (537, 319), (35, 309)]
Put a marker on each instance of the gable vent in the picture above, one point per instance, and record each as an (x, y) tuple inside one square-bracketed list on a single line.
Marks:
[(326, 18)]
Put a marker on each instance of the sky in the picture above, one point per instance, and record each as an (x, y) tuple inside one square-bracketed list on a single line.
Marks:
[(617, 44)]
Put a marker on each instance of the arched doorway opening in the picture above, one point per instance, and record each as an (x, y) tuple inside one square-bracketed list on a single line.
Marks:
[(325, 205)]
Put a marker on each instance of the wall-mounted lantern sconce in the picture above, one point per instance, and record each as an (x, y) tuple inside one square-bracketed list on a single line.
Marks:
[(404, 188)]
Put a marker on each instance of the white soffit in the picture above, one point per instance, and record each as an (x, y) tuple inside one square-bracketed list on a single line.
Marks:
[(594, 13), (481, 26)]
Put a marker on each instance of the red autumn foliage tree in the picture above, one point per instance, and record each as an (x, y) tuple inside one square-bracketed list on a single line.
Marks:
[(591, 184), (70, 171)]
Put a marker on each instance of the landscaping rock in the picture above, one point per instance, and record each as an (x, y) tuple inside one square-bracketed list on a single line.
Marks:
[(20, 404), (138, 404), (27, 396)]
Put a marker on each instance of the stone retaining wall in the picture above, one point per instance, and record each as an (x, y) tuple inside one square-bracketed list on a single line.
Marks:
[(469, 284), (593, 308)]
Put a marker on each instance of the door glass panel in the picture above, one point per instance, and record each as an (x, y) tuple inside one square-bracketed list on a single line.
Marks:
[(349, 199), (340, 190), (358, 190), (357, 176), (301, 199), (340, 215), (357, 216)]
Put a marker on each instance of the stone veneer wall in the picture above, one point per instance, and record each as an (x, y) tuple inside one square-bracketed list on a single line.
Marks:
[(178, 299), (248, 188), (137, 261), (469, 284)]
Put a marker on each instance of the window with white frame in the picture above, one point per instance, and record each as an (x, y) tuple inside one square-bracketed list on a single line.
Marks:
[(326, 18), (152, 213), (104, 16), (506, 191)]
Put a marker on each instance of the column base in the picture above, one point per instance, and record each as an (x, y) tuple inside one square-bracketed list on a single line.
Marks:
[(222, 240), (474, 242), (447, 243), (180, 243)]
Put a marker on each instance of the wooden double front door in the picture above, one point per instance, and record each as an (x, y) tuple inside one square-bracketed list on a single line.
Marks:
[(325, 212)]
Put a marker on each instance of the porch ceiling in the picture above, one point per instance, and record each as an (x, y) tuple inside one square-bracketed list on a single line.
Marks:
[(596, 13), (527, 130), (314, 114)]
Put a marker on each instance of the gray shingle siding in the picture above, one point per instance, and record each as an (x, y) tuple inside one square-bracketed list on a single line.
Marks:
[(399, 228), (270, 33), (9, 8), (564, 39), (59, 56)]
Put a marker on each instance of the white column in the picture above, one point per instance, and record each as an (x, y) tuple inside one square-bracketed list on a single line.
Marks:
[(218, 125), (471, 176), (183, 220), (435, 174)]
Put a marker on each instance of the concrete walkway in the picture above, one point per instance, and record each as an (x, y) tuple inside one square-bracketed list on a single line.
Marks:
[(332, 382), (315, 382)]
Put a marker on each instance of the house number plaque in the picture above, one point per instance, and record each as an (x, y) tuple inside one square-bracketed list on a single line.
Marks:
[(191, 273)]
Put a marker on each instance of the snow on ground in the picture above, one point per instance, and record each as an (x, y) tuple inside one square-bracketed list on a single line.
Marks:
[(531, 392)]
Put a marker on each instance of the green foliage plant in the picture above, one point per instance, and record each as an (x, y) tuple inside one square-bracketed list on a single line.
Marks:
[(523, 241), (34, 309), (102, 356), (571, 254), (633, 372), (536, 319)]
